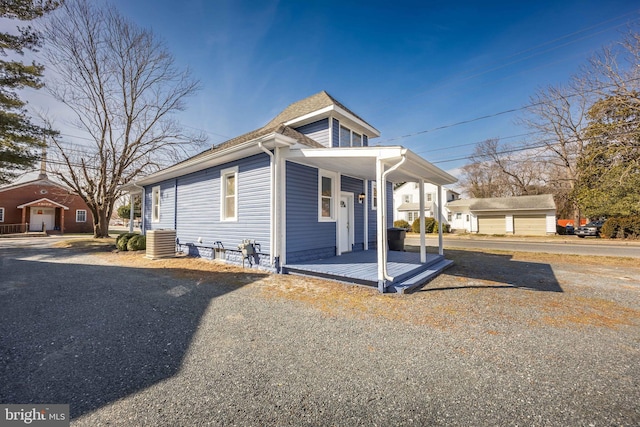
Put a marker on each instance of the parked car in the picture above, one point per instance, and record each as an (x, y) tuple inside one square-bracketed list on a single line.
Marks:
[(591, 229), (569, 229)]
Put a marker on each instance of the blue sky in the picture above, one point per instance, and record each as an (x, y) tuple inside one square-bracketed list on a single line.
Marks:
[(404, 66)]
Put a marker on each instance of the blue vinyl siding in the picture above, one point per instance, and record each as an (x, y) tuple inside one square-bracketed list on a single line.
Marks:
[(190, 204), (373, 218), (335, 133), (318, 131), (167, 206), (307, 238), (356, 186), (198, 207)]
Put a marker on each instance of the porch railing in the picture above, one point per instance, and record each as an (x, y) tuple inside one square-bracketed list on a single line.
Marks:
[(14, 228)]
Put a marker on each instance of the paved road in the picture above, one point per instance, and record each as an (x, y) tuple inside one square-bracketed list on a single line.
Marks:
[(578, 246)]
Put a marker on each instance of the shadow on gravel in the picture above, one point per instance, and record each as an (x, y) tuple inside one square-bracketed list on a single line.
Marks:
[(500, 270), (89, 335)]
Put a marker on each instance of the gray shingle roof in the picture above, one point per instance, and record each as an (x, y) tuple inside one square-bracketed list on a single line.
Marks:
[(297, 109), (306, 106), (538, 202)]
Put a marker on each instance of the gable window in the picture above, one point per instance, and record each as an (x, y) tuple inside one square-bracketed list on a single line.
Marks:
[(155, 204), (1, 214), (349, 138), (229, 192), (356, 140), (345, 137), (407, 198), (326, 196), (429, 197), (81, 215)]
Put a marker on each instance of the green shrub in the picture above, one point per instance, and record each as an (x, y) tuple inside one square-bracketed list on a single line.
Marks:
[(123, 239), (429, 225), (401, 223), (137, 243)]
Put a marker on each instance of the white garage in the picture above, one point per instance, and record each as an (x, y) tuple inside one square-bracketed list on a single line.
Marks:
[(522, 215)]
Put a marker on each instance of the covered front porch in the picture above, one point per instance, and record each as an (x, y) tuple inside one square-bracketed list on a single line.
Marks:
[(405, 268), (390, 271)]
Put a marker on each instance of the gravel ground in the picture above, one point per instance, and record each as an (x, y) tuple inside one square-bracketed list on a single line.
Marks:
[(496, 340)]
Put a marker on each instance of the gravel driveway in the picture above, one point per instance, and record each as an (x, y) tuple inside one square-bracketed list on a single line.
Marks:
[(494, 341)]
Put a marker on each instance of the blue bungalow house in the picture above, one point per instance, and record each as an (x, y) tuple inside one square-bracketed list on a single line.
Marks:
[(305, 192)]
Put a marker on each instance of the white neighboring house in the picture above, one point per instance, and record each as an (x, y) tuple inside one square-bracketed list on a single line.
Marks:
[(522, 215), (406, 202)]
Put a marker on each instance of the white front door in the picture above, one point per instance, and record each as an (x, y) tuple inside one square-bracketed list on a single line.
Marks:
[(345, 223), (42, 215)]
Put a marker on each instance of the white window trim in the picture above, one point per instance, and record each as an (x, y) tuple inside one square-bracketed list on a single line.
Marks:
[(154, 217), (85, 215), (224, 173), (1, 214), (334, 195), (374, 196)]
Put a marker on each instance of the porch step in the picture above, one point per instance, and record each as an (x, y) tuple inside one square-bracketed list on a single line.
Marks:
[(421, 278)]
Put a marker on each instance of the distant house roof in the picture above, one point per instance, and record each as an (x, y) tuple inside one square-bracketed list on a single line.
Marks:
[(538, 202), (411, 207)]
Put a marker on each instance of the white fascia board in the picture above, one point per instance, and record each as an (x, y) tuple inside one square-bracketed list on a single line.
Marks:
[(333, 111), (44, 199), (415, 167), (216, 158), (443, 178), (383, 153)]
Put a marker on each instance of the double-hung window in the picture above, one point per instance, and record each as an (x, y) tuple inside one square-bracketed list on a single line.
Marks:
[(81, 215), (326, 196), (155, 204), (229, 194), (348, 138), (1, 214)]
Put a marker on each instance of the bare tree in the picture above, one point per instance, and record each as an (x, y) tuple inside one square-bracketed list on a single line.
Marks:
[(499, 171), (557, 117), (124, 88)]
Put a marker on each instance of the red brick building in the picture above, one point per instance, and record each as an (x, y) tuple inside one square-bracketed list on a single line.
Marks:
[(43, 205)]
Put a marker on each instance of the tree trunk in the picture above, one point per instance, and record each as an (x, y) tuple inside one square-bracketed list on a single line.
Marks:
[(101, 225)]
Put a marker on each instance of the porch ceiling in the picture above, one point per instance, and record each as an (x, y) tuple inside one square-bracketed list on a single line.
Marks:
[(360, 162)]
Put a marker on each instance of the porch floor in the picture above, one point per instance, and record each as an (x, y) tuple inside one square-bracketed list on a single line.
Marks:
[(361, 267)]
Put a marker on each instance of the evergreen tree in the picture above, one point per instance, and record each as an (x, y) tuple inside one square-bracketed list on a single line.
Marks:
[(609, 182), (19, 137)]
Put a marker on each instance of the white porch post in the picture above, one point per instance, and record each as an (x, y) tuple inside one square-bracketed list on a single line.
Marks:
[(131, 215), (440, 242), (423, 243), (380, 228)]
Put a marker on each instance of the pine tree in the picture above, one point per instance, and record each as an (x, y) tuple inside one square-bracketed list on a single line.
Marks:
[(19, 137)]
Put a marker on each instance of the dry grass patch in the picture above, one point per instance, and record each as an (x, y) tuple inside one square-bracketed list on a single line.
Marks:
[(88, 243), (448, 302)]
